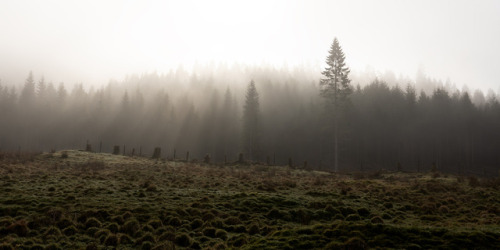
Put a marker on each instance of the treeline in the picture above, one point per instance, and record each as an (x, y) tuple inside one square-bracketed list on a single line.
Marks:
[(384, 127)]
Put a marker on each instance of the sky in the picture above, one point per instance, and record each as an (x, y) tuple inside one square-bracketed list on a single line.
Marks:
[(94, 41)]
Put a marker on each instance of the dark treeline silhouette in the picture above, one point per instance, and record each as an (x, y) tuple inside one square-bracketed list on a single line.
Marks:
[(385, 126)]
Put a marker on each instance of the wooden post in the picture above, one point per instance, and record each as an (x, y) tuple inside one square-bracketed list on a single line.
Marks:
[(116, 150), (88, 147), (290, 164), (305, 164), (206, 159), (240, 158), (157, 153), (187, 156), (174, 153)]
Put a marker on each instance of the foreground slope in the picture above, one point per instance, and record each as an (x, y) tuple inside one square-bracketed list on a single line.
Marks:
[(94, 201)]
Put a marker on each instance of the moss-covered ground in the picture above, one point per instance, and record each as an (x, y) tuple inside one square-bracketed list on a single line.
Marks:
[(104, 201)]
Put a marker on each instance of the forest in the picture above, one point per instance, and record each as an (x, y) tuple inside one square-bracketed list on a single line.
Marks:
[(386, 124)]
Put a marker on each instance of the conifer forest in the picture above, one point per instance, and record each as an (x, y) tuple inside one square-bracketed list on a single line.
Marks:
[(381, 126), (222, 124)]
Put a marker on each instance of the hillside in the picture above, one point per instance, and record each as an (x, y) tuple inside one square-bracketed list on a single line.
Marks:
[(95, 201)]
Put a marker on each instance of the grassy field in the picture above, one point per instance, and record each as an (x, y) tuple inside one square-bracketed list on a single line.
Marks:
[(80, 200)]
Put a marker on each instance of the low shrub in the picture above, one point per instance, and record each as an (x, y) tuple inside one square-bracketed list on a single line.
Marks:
[(113, 227), (146, 237), (377, 220), (19, 227), (209, 232), (92, 222), (71, 230), (221, 234), (183, 240), (130, 227), (111, 240), (353, 217), (254, 229)]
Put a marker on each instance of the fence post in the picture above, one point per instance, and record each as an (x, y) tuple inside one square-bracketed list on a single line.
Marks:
[(157, 153), (240, 158)]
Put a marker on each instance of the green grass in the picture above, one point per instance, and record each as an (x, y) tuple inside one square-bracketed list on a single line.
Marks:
[(103, 200)]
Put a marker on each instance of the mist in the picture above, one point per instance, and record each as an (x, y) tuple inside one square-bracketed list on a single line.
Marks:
[(389, 123), (175, 75)]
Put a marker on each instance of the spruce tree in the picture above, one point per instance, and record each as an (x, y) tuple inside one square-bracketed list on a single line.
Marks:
[(27, 97), (335, 88), (251, 122)]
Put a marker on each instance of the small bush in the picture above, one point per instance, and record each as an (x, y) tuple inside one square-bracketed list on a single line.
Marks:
[(174, 221), (52, 231), (232, 221), (221, 234), (377, 220), (118, 219), (92, 222), (473, 181), (183, 240), (125, 239), (92, 246), (240, 229), (363, 212), (103, 233), (238, 241), (167, 236), (111, 240), (209, 232), (146, 237), (113, 227), (19, 227), (443, 209), (146, 245), (353, 217), (64, 223), (130, 227), (355, 243), (155, 223), (254, 229), (71, 230), (53, 246), (196, 224)]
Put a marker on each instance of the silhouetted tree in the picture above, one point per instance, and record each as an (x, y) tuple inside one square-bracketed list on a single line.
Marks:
[(335, 89), (251, 122), (27, 97)]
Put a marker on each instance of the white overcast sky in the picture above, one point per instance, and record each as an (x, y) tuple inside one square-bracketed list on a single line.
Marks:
[(94, 41)]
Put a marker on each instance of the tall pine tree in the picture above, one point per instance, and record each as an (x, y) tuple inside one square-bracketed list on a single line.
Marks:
[(251, 122), (335, 88)]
